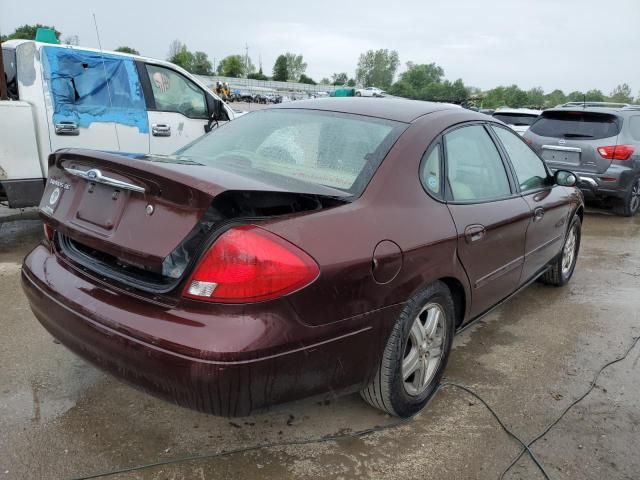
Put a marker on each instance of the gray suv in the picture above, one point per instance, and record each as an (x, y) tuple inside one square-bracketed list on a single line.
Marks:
[(600, 142)]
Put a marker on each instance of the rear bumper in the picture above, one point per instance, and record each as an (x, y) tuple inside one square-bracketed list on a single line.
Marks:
[(281, 360), (615, 182)]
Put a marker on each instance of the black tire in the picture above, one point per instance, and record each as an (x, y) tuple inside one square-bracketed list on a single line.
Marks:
[(358, 94), (387, 390), (556, 275), (630, 204)]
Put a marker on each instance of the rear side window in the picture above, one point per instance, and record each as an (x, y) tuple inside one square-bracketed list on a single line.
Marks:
[(9, 60), (516, 119), (634, 127), (431, 172), (586, 125), (529, 168)]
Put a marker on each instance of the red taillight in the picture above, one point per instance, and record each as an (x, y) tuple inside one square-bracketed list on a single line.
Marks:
[(48, 232), (249, 264), (616, 152)]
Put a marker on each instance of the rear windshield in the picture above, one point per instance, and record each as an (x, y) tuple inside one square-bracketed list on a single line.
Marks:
[(320, 148), (585, 125), (517, 119), (9, 61)]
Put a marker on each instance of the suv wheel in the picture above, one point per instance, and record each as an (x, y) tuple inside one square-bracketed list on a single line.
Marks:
[(416, 354), (630, 204)]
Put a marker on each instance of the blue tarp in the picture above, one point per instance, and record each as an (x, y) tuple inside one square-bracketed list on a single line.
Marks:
[(89, 87)]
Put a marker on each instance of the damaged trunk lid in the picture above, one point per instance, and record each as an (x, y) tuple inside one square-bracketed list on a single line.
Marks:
[(143, 220)]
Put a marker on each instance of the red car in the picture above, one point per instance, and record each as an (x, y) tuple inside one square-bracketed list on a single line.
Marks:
[(316, 247)]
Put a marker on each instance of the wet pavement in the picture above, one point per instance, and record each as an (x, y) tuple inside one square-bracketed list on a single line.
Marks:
[(529, 359)]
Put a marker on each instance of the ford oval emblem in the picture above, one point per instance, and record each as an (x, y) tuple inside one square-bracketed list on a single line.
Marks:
[(93, 174)]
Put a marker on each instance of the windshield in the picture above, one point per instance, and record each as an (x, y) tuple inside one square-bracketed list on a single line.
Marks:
[(321, 148), (518, 119), (576, 125)]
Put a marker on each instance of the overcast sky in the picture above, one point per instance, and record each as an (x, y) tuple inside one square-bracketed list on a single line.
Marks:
[(567, 44)]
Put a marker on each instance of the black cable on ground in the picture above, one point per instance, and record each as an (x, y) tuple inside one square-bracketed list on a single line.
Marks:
[(569, 407), (368, 431), (328, 438)]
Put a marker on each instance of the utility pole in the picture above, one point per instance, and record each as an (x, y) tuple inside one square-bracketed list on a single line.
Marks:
[(246, 59), (3, 78)]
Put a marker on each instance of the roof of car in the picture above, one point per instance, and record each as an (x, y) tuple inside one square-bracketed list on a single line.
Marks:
[(522, 111), (397, 109)]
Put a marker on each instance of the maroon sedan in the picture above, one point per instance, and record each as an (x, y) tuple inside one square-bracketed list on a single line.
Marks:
[(317, 247)]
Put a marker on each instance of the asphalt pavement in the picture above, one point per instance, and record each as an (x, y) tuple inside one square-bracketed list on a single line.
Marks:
[(529, 360)]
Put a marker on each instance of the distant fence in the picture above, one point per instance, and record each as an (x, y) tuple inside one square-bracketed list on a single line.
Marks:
[(267, 86)]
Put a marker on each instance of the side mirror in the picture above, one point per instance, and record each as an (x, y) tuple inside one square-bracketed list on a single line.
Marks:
[(565, 178), (216, 111)]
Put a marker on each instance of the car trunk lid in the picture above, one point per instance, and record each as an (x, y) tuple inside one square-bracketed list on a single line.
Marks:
[(145, 220), (570, 139)]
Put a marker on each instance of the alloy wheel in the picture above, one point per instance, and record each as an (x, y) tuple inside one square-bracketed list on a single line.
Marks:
[(569, 251), (634, 202), (424, 349)]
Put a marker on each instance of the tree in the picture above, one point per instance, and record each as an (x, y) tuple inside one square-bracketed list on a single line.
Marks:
[(232, 66), (295, 66), (557, 97), (420, 76), (28, 32), (280, 69), (621, 94), (339, 78), (325, 81), (377, 68), (575, 96), (180, 55), (308, 80), (595, 95), (130, 50), (258, 76), (535, 97), (351, 83), (200, 64)]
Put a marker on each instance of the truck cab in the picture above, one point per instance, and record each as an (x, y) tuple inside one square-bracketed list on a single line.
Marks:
[(63, 96)]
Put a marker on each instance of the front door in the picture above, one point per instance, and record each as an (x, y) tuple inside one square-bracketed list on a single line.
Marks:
[(177, 112), (491, 218), (549, 203)]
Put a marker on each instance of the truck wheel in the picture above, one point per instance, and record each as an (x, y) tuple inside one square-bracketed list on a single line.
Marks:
[(562, 267), (416, 354), (630, 204)]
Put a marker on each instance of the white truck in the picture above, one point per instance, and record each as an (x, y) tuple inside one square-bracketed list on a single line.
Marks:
[(61, 96)]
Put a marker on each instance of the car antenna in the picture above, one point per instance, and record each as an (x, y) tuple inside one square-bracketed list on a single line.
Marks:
[(106, 78)]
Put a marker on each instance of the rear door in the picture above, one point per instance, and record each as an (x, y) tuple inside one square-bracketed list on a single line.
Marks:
[(94, 100), (570, 139), (549, 203), (491, 218), (177, 108)]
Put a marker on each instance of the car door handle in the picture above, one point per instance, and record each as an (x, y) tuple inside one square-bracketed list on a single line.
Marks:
[(67, 128), (538, 213), (474, 233), (160, 130)]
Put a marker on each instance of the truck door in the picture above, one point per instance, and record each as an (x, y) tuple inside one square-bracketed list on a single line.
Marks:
[(177, 108), (94, 100)]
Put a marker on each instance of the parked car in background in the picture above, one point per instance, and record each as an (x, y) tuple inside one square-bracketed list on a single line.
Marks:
[(211, 278), (370, 92), (600, 142), (64, 96), (519, 119)]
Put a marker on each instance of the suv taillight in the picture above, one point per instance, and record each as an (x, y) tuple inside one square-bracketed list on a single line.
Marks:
[(616, 152), (248, 264)]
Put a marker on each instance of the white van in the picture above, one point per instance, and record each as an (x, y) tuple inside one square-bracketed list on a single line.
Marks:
[(64, 96)]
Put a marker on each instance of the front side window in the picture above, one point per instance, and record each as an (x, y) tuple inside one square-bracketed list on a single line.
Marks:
[(530, 170), (174, 93), (10, 69), (474, 168), (291, 147)]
